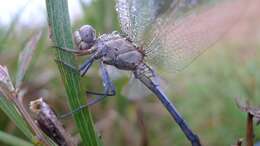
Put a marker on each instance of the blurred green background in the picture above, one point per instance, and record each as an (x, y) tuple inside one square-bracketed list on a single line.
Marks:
[(204, 92)]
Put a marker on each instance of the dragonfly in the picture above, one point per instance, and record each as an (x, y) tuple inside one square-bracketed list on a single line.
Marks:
[(165, 35)]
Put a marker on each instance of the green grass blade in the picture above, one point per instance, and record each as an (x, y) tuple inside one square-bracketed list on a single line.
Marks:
[(59, 23), (12, 140), (10, 110)]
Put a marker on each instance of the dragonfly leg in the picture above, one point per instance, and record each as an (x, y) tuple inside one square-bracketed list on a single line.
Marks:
[(108, 91), (83, 68), (86, 65), (109, 88), (75, 51)]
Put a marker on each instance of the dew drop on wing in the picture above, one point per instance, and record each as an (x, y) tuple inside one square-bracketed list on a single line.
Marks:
[(137, 15), (181, 35)]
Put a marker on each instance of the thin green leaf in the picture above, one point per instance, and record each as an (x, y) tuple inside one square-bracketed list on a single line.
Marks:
[(60, 29), (12, 140), (10, 110)]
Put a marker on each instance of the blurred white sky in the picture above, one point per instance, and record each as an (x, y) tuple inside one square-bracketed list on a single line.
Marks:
[(34, 13)]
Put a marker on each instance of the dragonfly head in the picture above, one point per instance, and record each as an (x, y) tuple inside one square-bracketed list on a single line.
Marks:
[(85, 37)]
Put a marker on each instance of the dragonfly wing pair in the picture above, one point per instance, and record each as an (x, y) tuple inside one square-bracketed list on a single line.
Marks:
[(174, 33)]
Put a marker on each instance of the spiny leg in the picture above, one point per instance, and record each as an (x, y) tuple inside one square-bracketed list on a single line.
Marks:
[(108, 91), (75, 51), (76, 70), (86, 65), (109, 88), (83, 68)]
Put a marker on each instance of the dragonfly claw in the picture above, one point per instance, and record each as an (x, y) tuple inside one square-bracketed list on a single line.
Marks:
[(67, 65)]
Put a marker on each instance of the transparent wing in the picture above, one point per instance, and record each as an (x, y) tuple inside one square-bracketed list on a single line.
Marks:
[(25, 59), (135, 90), (182, 35), (136, 16)]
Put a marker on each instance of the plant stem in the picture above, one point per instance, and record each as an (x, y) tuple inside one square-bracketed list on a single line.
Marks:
[(249, 131), (12, 140), (60, 33), (141, 124)]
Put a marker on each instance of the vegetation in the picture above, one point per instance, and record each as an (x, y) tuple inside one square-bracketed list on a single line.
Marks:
[(204, 92)]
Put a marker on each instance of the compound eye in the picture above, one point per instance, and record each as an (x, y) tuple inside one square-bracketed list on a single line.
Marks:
[(88, 34), (85, 37)]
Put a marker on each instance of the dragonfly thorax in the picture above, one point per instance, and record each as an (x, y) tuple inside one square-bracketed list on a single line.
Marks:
[(119, 52)]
